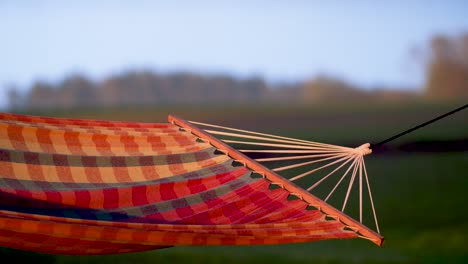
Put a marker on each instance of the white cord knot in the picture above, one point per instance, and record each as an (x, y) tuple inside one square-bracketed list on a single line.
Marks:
[(363, 150)]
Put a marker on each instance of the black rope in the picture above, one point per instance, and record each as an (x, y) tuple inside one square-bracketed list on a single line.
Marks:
[(373, 146)]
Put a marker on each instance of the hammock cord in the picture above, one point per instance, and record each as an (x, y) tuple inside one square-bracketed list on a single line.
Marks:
[(370, 196), (306, 163), (374, 146), (341, 179), (313, 153), (351, 182)]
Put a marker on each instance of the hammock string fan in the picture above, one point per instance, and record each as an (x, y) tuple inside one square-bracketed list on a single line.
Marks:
[(75, 187)]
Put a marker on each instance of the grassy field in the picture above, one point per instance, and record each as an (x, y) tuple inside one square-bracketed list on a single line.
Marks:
[(420, 197)]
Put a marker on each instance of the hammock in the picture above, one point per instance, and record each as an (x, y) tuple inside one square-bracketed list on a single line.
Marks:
[(76, 187)]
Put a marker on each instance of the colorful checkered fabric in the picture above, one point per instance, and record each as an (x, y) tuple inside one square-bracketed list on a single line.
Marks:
[(72, 186)]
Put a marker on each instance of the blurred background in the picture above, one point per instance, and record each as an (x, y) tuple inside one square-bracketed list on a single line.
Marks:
[(329, 71)]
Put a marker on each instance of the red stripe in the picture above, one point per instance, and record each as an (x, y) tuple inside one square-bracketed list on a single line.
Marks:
[(135, 195), (139, 195), (54, 197), (81, 198), (111, 198)]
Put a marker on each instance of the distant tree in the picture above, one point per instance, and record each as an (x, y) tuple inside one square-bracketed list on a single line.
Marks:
[(447, 68), (130, 88), (256, 89), (324, 88), (15, 99), (283, 92), (42, 95), (76, 91)]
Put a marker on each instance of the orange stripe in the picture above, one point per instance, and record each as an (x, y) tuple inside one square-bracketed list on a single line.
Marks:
[(43, 137), (22, 171), (64, 173), (73, 142), (102, 146), (58, 141), (15, 136), (36, 171)]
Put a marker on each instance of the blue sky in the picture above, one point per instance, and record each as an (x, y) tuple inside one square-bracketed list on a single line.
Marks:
[(363, 42)]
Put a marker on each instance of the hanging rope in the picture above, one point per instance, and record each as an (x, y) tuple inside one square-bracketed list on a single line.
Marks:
[(374, 146)]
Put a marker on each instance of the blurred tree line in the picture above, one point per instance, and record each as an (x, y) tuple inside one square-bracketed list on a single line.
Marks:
[(140, 88), (446, 66), (148, 89)]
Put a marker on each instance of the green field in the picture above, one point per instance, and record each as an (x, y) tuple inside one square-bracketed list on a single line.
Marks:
[(420, 197)]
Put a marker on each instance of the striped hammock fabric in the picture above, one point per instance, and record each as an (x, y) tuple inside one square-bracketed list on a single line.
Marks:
[(78, 187)]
